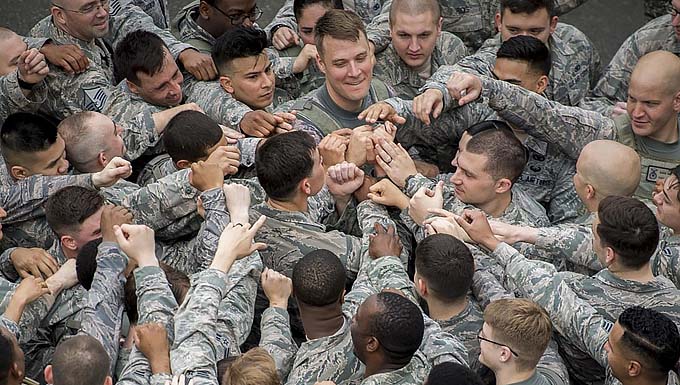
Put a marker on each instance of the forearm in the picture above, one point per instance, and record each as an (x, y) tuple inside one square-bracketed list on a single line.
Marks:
[(277, 340), (216, 218)]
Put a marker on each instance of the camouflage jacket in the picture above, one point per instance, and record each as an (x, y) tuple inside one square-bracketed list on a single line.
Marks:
[(156, 9), (12, 99)]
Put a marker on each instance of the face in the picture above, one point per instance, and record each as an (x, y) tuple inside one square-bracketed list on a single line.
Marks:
[(113, 137), (307, 21), (472, 184), (225, 10), (10, 51), (461, 147), (89, 230), (251, 81), (651, 106), (348, 67), (360, 326), (538, 24), (617, 361), (83, 19), (163, 88), (50, 162), (3, 215), (414, 37), (487, 350), (667, 204), (675, 21), (519, 73)]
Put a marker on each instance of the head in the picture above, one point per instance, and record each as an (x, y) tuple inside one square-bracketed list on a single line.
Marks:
[(319, 279), (148, 68), (415, 26), (256, 366), (288, 165), (448, 373), (83, 19), (675, 19), (667, 201), (307, 13), (245, 69), (526, 17), (79, 360), (345, 57), (488, 163), (523, 61), (387, 329), (11, 48), (605, 168), (74, 214), (444, 269), (12, 365), (625, 233), (654, 95), (91, 140), (179, 287), (31, 145), (220, 16), (204, 138), (520, 331), (643, 344)]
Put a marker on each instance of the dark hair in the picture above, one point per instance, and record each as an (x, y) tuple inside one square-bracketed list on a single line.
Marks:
[(301, 5), (527, 49), (447, 266), (319, 278), (179, 286), (139, 51), (651, 336), (284, 160), (86, 263), (69, 207), (528, 6), (339, 24), (398, 325), (506, 155), (629, 227), (6, 356), (237, 43), (448, 373), (189, 135), (26, 133), (80, 360)]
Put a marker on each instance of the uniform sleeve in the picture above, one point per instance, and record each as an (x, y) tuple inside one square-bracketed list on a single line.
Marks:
[(440, 346), (215, 102), (277, 340), (12, 98), (378, 30), (552, 367), (284, 18), (564, 6), (666, 262), (205, 243), (570, 242)]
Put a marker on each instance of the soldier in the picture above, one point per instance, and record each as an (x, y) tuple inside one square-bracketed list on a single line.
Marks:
[(79, 359), (666, 259), (156, 9), (656, 8), (659, 34), (418, 48), (447, 372)]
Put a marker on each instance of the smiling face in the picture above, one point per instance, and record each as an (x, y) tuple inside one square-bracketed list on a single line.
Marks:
[(668, 205), (82, 19), (653, 108)]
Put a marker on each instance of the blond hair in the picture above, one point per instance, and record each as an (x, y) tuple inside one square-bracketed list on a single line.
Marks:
[(255, 367)]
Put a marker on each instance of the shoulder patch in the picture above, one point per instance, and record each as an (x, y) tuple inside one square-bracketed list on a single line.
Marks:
[(95, 98)]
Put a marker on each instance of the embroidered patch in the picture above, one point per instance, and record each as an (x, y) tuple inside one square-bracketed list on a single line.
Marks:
[(655, 173), (94, 99)]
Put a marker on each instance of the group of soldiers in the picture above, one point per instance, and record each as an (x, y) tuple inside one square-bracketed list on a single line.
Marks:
[(361, 192)]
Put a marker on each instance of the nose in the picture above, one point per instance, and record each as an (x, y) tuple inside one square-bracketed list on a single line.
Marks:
[(268, 82), (247, 22), (455, 178), (102, 11), (354, 70), (637, 110), (413, 45)]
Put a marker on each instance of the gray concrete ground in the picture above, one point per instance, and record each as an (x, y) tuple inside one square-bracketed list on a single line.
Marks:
[(606, 22)]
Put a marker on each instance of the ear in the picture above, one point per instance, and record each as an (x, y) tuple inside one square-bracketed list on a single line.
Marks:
[(542, 84), (506, 354), (372, 345), (634, 369), (306, 187), (610, 256), (182, 164), (17, 372), (342, 297), (204, 10), (19, 172), (48, 374), (553, 24), (132, 86), (319, 64), (68, 242), (503, 185), (498, 20), (422, 287), (225, 82), (102, 159), (58, 15), (676, 102), (590, 191), (108, 381), (439, 26)]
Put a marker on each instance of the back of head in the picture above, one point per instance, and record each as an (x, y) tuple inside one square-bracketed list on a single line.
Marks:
[(301, 5), (179, 286), (69, 207), (527, 49), (237, 43), (630, 228), (506, 155), (80, 360), (341, 25), (6, 33), (86, 263), (415, 8), (523, 326), (139, 51), (448, 373), (652, 338), (446, 264), (256, 366), (398, 325), (528, 6), (283, 161), (6, 356), (319, 278), (83, 141), (23, 134), (612, 168), (189, 135)]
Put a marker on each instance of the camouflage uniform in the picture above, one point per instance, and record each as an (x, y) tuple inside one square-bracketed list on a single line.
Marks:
[(30, 318), (574, 71), (389, 67), (656, 8), (571, 128), (156, 9), (466, 326), (12, 99), (666, 259), (656, 35), (311, 78)]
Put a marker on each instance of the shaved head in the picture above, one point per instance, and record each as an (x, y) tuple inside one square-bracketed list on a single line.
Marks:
[(6, 33), (415, 8), (610, 167), (658, 69)]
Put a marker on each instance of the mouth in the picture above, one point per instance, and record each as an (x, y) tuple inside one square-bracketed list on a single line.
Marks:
[(267, 95), (355, 84)]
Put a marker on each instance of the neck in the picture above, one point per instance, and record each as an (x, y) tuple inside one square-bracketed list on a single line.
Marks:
[(68, 253), (298, 204), (512, 375), (65, 28), (668, 134), (497, 207), (382, 367), (207, 26), (642, 275), (592, 205), (321, 321), (345, 104), (641, 380), (442, 311)]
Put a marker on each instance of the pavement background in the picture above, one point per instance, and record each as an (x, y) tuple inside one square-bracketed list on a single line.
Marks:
[(606, 22)]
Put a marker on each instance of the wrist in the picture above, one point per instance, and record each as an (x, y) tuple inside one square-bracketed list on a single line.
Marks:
[(14, 310), (54, 285), (160, 364), (490, 243), (279, 303), (146, 261)]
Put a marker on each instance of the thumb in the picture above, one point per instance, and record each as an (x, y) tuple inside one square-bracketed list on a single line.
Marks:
[(462, 222), (439, 189)]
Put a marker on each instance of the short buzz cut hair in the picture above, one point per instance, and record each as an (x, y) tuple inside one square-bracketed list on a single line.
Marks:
[(447, 266), (523, 326), (139, 51), (24, 133), (319, 278), (398, 325), (6, 33), (80, 360), (339, 24), (527, 49), (415, 8), (528, 6), (68, 208), (236, 43), (506, 155), (83, 142), (189, 135)]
